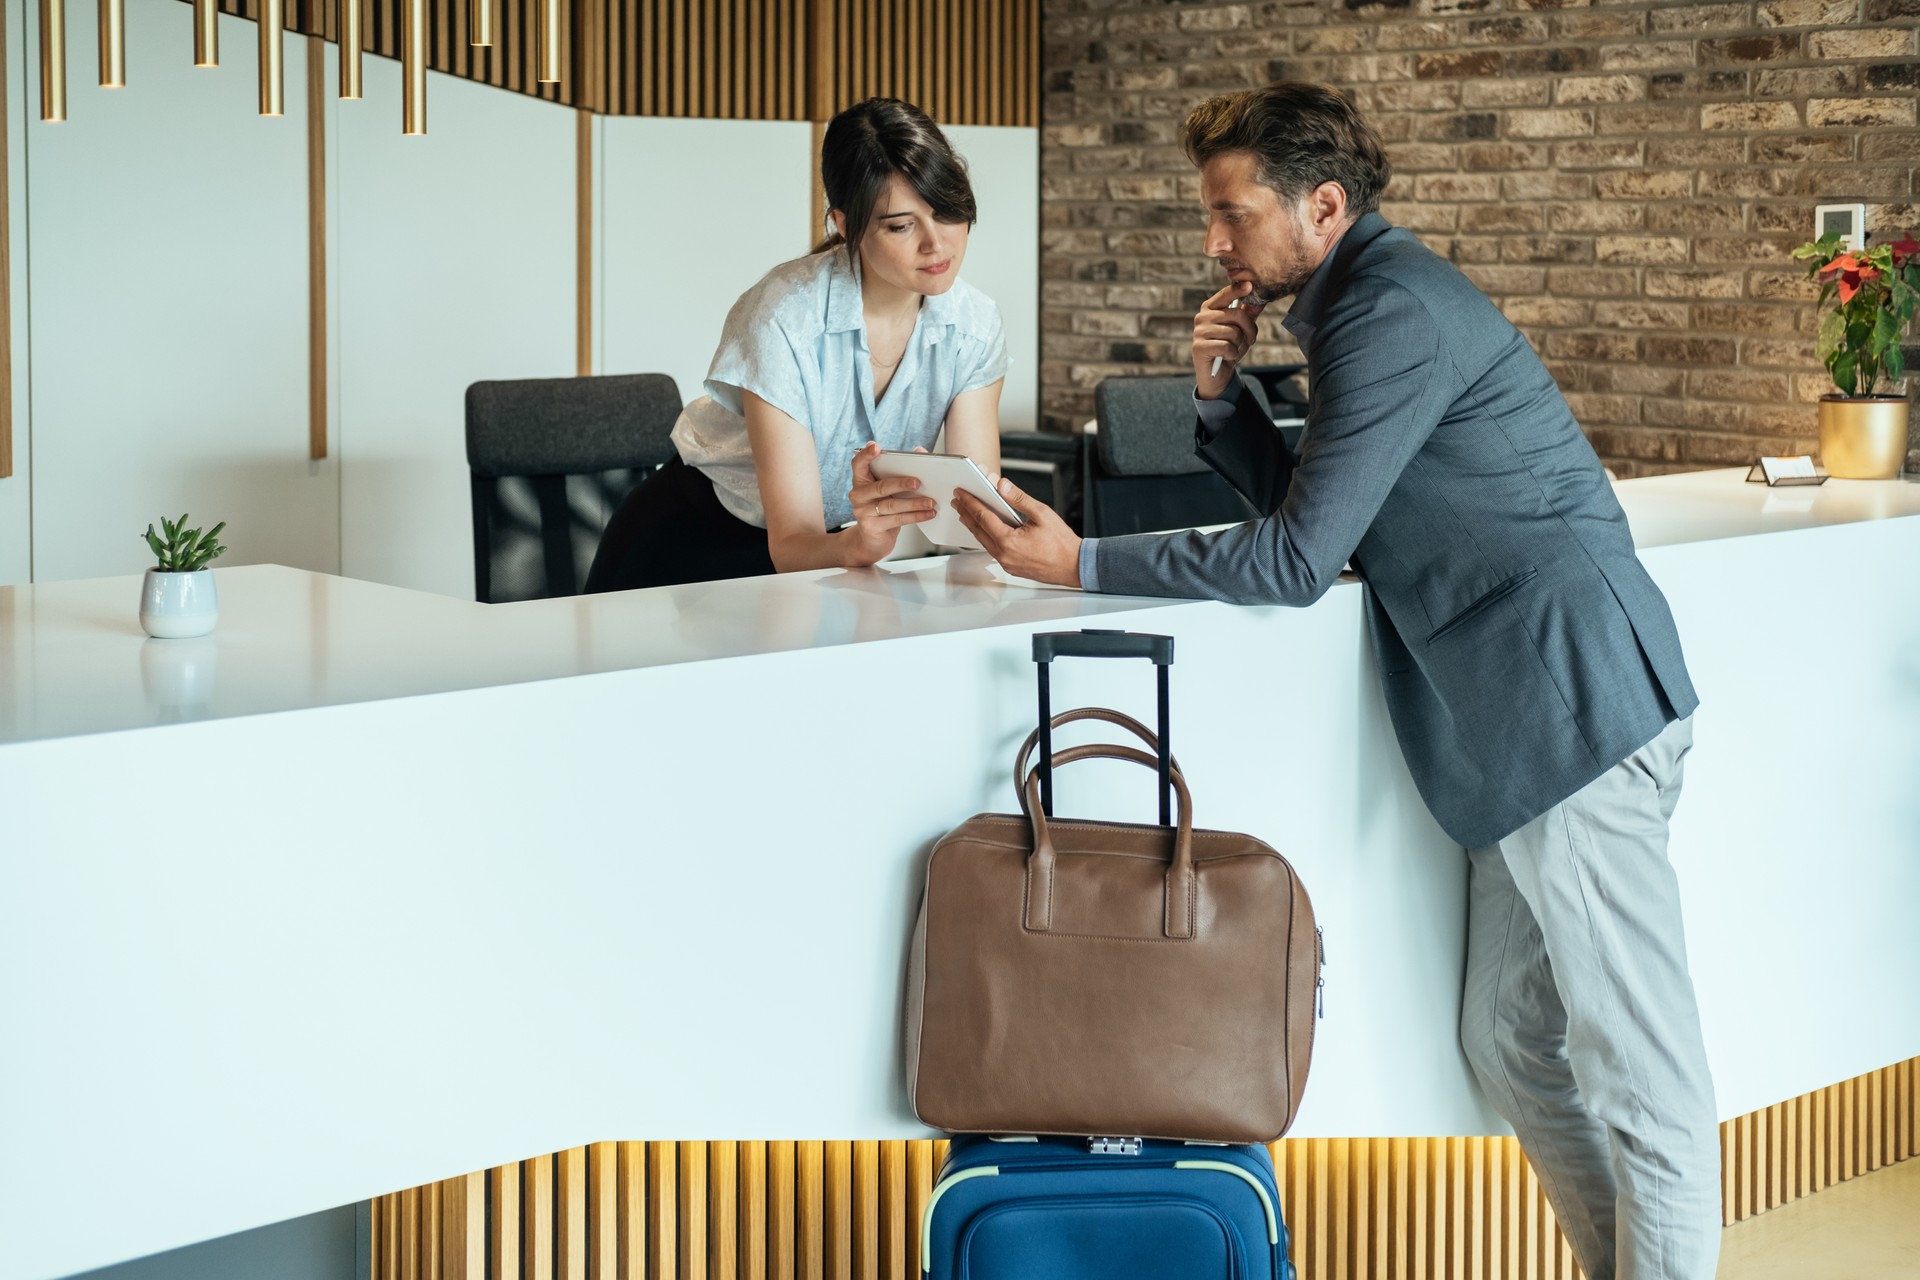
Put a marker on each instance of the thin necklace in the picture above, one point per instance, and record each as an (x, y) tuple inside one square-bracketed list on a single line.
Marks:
[(878, 363)]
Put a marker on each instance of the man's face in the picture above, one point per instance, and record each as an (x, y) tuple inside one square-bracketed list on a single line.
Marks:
[(1252, 232)]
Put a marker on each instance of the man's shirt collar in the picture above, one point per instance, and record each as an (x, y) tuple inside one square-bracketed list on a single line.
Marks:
[(1310, 304)]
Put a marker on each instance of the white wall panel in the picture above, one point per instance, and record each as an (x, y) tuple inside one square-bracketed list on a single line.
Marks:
[(456, 264), (695, 212), (168, 297), (1003, 253), (680, 249), (16, 508)]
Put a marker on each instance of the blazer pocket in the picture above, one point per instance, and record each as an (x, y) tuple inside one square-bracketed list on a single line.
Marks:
[(1493, 595)]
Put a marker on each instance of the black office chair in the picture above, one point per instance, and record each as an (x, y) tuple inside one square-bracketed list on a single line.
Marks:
[(1142, 475), (552, 458)]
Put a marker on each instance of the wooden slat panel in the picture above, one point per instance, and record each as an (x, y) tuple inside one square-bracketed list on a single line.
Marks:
[(570, 1215), (503, 1223), (583, 243), (536, 1205), (692, 1220), (603, 1211), (431, 1260), (920, 1172), (1358, 1209), (663, 1211), (410, 1234), (723, 1227), (463, 1227), (810, 1199), (633, 1211), (316, 258), (783, 1202), (894, 1202), (863, 1197), (837, 1224), (752, 1211)]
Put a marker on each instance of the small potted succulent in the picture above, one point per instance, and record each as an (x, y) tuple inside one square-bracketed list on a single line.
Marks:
[(1874, 292), (177, 598)]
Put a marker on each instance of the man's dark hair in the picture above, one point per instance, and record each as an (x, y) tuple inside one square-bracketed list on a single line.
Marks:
[(871, 141), (1300, 135)]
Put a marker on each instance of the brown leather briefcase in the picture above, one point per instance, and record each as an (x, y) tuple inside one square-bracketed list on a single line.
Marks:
[(1073, 977)]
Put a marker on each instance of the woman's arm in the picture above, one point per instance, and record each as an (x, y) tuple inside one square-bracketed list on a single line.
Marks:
[(788, 468), (973, 425)]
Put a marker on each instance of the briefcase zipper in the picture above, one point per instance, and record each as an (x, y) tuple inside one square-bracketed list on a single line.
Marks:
[(1320, 973)]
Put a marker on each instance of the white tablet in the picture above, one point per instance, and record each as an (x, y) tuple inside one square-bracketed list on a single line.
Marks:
[(939, 475)]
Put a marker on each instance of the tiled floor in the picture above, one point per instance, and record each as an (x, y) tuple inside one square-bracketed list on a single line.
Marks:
[(1866, 1229)]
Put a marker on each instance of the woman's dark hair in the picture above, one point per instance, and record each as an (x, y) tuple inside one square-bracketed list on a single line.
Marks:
[(1301, 135), (871, 141)]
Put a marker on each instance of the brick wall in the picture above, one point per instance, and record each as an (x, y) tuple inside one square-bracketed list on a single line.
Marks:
[(1624, 180)]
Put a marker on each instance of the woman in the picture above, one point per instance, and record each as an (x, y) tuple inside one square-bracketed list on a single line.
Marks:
[(871, 342)]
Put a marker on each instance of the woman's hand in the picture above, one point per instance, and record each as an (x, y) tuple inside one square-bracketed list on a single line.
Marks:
[(881, 508)]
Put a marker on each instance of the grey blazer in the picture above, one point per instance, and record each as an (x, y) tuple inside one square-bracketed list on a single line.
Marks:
[(1523, 647)]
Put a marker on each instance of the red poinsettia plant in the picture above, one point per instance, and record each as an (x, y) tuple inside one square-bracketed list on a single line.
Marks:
[(1878, 291)]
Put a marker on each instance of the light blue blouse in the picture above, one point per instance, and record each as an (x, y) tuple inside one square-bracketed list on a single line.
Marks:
[(798, 340)]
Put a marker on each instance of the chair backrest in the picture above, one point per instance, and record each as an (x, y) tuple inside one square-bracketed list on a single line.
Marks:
[(1146, 424), (551, 459), (1141, 474)]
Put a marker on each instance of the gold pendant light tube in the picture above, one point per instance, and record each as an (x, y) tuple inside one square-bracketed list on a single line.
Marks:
[(350, 43), (53, 60), (548, 47), (206, 34), (480, 22), (113, 44), (273, 21), (413, 68)]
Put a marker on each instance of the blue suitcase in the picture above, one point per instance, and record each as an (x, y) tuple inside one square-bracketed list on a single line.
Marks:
[(1101, 1208)]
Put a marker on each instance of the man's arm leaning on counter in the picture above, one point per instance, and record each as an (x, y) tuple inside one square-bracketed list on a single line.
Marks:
[(1383, 383)]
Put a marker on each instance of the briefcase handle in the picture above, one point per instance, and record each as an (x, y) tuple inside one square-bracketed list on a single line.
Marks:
[(1107, 714), (1182, 901)]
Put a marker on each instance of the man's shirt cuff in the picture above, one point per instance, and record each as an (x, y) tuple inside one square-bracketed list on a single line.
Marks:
[(1089, 579), (1214, 415)]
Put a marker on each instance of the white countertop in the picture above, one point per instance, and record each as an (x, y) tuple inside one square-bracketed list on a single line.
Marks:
[(318, 937), (73, 659)]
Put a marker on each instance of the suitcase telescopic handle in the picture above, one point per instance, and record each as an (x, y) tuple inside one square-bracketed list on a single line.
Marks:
[(1094, 642), (1182, 894)]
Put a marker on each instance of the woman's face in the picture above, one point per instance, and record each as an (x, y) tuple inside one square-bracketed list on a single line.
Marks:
[(908, 247)]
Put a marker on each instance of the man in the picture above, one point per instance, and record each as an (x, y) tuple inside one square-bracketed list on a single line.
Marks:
[(1531, 666)]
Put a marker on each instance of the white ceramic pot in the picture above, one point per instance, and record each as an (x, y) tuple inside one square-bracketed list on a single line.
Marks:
[(176, 605)]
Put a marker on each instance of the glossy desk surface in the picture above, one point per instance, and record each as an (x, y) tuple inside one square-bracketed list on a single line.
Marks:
[(73, 659), (370, 887)]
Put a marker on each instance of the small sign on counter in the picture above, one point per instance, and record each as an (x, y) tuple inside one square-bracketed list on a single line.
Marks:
[(1787, 471)]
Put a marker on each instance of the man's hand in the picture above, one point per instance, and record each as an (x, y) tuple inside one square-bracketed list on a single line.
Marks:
[(1043, 548), (1223, 334)]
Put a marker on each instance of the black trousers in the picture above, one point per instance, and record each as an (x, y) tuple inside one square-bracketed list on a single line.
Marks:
[(672, 529)]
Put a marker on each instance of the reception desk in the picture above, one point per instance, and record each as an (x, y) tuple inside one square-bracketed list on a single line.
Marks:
[(370, 888)]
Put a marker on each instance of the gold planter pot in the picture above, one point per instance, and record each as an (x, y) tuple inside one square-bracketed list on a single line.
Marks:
[(1863, 437)]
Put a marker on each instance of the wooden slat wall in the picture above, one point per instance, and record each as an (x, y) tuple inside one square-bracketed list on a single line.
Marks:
[(507, 64), (1358, 1208), (964, 61)]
